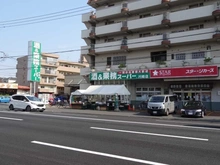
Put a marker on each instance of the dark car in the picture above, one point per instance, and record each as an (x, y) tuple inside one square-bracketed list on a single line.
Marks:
[(193, 108)]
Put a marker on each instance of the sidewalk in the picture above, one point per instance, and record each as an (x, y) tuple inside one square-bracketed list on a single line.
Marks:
[(210, 115)]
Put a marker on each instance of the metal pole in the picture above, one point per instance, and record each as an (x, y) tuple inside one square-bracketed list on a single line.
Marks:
[(34, 87), (30, 87)]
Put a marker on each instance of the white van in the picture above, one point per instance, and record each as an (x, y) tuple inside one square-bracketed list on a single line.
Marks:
[(26, 102), (161, 104)]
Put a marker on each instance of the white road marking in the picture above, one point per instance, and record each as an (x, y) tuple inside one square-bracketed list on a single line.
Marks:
[(7, 118), (151, 134), (120, 121), (99, 153)]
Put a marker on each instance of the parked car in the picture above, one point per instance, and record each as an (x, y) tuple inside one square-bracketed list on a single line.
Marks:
[(4, 99), (193, 108), (26, 102), (161, 105)]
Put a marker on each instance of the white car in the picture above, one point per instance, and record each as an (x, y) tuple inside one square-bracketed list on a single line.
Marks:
[(26, 103)]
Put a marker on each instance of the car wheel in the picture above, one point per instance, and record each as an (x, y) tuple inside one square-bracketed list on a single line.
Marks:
[(167, 112), (41, 110), (202, 114), (28, 108), (11, 107)]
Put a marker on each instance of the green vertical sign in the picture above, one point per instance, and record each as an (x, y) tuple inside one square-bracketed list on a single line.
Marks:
[(35, 61)]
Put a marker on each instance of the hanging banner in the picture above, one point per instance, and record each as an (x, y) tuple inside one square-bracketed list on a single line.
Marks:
[(34, 61)]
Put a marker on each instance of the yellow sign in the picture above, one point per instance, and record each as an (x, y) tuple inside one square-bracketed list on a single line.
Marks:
[(8, 86)]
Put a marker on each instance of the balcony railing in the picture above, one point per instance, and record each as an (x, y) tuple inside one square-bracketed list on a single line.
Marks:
[(188, 15)]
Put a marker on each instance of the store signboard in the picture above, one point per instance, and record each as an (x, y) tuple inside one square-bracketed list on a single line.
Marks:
[(120, 75), (200, 71), (34, 61)]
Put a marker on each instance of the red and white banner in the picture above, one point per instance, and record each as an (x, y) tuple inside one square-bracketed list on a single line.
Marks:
[(200, 71)]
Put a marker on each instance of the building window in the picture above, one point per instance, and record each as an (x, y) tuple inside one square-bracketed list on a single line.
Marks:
[(144, 35), (119, 60), (195, 5), (109, 22), (197, 55), (145, 15), (196, 27), (181, 56), (110, 5), (158, 56), (109, 40), (109, 61)]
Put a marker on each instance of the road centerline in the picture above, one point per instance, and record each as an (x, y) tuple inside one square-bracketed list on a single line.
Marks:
[(98, 153), (8, 118), (151, 134)]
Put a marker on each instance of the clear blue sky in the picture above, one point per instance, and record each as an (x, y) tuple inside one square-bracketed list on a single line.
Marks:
[(63, 34)]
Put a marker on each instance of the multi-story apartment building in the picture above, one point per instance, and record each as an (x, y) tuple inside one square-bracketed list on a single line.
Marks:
[(66, 68), (167, 47), (52, 74)]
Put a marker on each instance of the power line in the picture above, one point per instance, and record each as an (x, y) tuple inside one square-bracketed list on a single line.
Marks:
[(30, 23), (55, 13), (36, 19), (68, 51), (73, 50), (129, 59)]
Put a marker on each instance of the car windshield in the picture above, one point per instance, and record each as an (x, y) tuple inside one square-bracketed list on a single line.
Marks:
[(156, 99), (33, 98), (192, 104)]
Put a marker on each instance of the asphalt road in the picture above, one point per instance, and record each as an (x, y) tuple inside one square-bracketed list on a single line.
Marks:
[(52, 138)]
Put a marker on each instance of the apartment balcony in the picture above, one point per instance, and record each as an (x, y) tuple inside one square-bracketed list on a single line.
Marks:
[(194, 36), (48, 73), (167, 40), (68, 69), (157, 21), (60, 76), (85, 50), (216, 12), (96, 3), (49, 63), (60, 84), (128, 8), (46, 90), (216, 35), (48, 83), (90, 33)]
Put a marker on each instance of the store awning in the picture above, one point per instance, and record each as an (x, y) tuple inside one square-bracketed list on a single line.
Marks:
[(106, 90)]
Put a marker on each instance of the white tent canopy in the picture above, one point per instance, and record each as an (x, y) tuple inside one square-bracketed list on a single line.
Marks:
[(78, 92), (106, 90)]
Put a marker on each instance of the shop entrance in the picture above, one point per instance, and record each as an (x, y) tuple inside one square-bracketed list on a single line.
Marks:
[(199, 95)]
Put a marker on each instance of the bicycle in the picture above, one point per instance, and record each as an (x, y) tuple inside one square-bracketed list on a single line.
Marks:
[(63, 104)]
